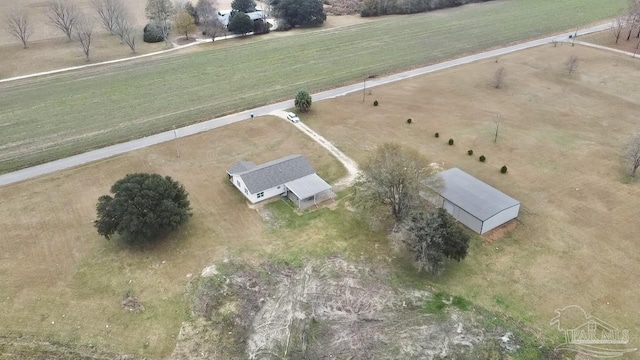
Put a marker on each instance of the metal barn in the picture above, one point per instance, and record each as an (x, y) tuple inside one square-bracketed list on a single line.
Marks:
[(475, 203)]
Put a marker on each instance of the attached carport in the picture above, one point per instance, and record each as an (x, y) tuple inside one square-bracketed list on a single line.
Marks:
[(309, 190), (475, 203)]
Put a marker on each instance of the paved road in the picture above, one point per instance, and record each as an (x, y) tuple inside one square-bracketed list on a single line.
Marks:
[(121, 148)]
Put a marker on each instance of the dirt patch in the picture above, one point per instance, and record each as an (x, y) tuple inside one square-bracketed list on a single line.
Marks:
[(499, 232), (331, 308), (132, 304)]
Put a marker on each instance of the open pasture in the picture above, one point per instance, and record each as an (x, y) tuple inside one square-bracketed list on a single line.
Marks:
[(61, 282), (561, 137), (56, 116)]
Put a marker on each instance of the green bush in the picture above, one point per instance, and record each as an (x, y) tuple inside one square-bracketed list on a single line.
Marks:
[(450, 141), (482, 158), (470, 152), (409, 121), (437, 135), (152, 33), (375, 103), (504, 169)]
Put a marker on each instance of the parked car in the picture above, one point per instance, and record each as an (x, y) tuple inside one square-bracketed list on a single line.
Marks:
[(293, 117)]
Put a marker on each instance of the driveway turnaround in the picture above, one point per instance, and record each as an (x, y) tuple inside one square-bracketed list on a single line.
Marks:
[(121, 148)]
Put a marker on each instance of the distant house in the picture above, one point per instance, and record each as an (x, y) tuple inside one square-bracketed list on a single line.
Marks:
[(291, 176), (474, 203), (225, 16)]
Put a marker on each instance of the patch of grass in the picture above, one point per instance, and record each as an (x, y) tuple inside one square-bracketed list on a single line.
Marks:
[(441, 300), (52, 117)]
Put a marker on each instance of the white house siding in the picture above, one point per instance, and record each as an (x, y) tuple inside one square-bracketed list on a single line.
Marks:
[(500, 218), (463, 216), (268, 194)]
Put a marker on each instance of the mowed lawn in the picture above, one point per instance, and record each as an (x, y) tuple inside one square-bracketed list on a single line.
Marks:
[(560, 136), (48, 118), (63, 283)]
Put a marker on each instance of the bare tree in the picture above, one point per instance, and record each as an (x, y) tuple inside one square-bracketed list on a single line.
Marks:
[(160, 12), (572, 63), (62, 14), (495, 128), (83, 32), (633, 16), (124, 31), (19, 25), (208, 17), (632, 154), (109, 12), (616, 27), (394, 178), (498, 77)]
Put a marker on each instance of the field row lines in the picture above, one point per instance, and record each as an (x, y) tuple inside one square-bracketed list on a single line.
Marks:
[(117, 149)]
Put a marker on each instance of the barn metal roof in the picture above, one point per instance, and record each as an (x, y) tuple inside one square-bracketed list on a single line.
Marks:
[(307, 186), (274, 173), (472, 195)]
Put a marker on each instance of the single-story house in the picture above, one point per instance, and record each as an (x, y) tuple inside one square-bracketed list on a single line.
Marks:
[(291, 176), (225, 16), (474, 203)]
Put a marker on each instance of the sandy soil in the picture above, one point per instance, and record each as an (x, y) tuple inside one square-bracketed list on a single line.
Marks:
[(561, 138)]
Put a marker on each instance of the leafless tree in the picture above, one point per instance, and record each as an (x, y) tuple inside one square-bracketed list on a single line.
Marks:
[(617, 26), (124, 31), (632, 154), (109, 12), (208, 16), (160, 12), (394, 178), (19, 25), (83, 32), (63, 14), (498, 77), (495, 128), (572, 63)]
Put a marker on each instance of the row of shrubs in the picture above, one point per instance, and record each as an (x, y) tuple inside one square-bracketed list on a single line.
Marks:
[(389, 7), (482, 158)]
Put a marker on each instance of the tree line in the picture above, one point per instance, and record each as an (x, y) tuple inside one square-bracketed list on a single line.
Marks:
[(389, 7)]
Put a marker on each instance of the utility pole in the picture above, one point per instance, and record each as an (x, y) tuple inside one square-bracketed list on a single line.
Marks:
[(364, 88)]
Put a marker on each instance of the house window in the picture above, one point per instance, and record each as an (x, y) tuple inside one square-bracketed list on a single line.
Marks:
[(246, 192), (260, 194), (238, 182)]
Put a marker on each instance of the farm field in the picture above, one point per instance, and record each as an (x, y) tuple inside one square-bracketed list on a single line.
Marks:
[(52, 117), (61, 282), (560, 136)]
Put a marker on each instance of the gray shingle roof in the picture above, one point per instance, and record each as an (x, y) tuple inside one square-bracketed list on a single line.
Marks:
[(240, 166), (472, 195), (276, 172)]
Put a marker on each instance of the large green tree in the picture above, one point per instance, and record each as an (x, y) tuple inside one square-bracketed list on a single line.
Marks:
[(244, 6), (143, 207), (299, 12), (303, 100), (394, 178), (433, 237), (240, 23)]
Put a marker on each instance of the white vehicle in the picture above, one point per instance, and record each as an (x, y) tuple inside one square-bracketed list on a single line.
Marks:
[(293, 117)]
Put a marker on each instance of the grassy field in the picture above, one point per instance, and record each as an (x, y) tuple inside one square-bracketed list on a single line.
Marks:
[(561, 136), (48, 118), (60, 281)]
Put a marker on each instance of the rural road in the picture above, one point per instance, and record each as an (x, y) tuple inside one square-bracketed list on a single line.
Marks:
[(121, 148)]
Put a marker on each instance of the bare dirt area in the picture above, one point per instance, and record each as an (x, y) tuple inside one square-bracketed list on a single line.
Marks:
[(561, 137), (61, 282), (328, 308)]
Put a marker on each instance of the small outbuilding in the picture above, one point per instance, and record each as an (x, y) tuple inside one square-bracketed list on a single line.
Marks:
[(473, 202), (291, 176)]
